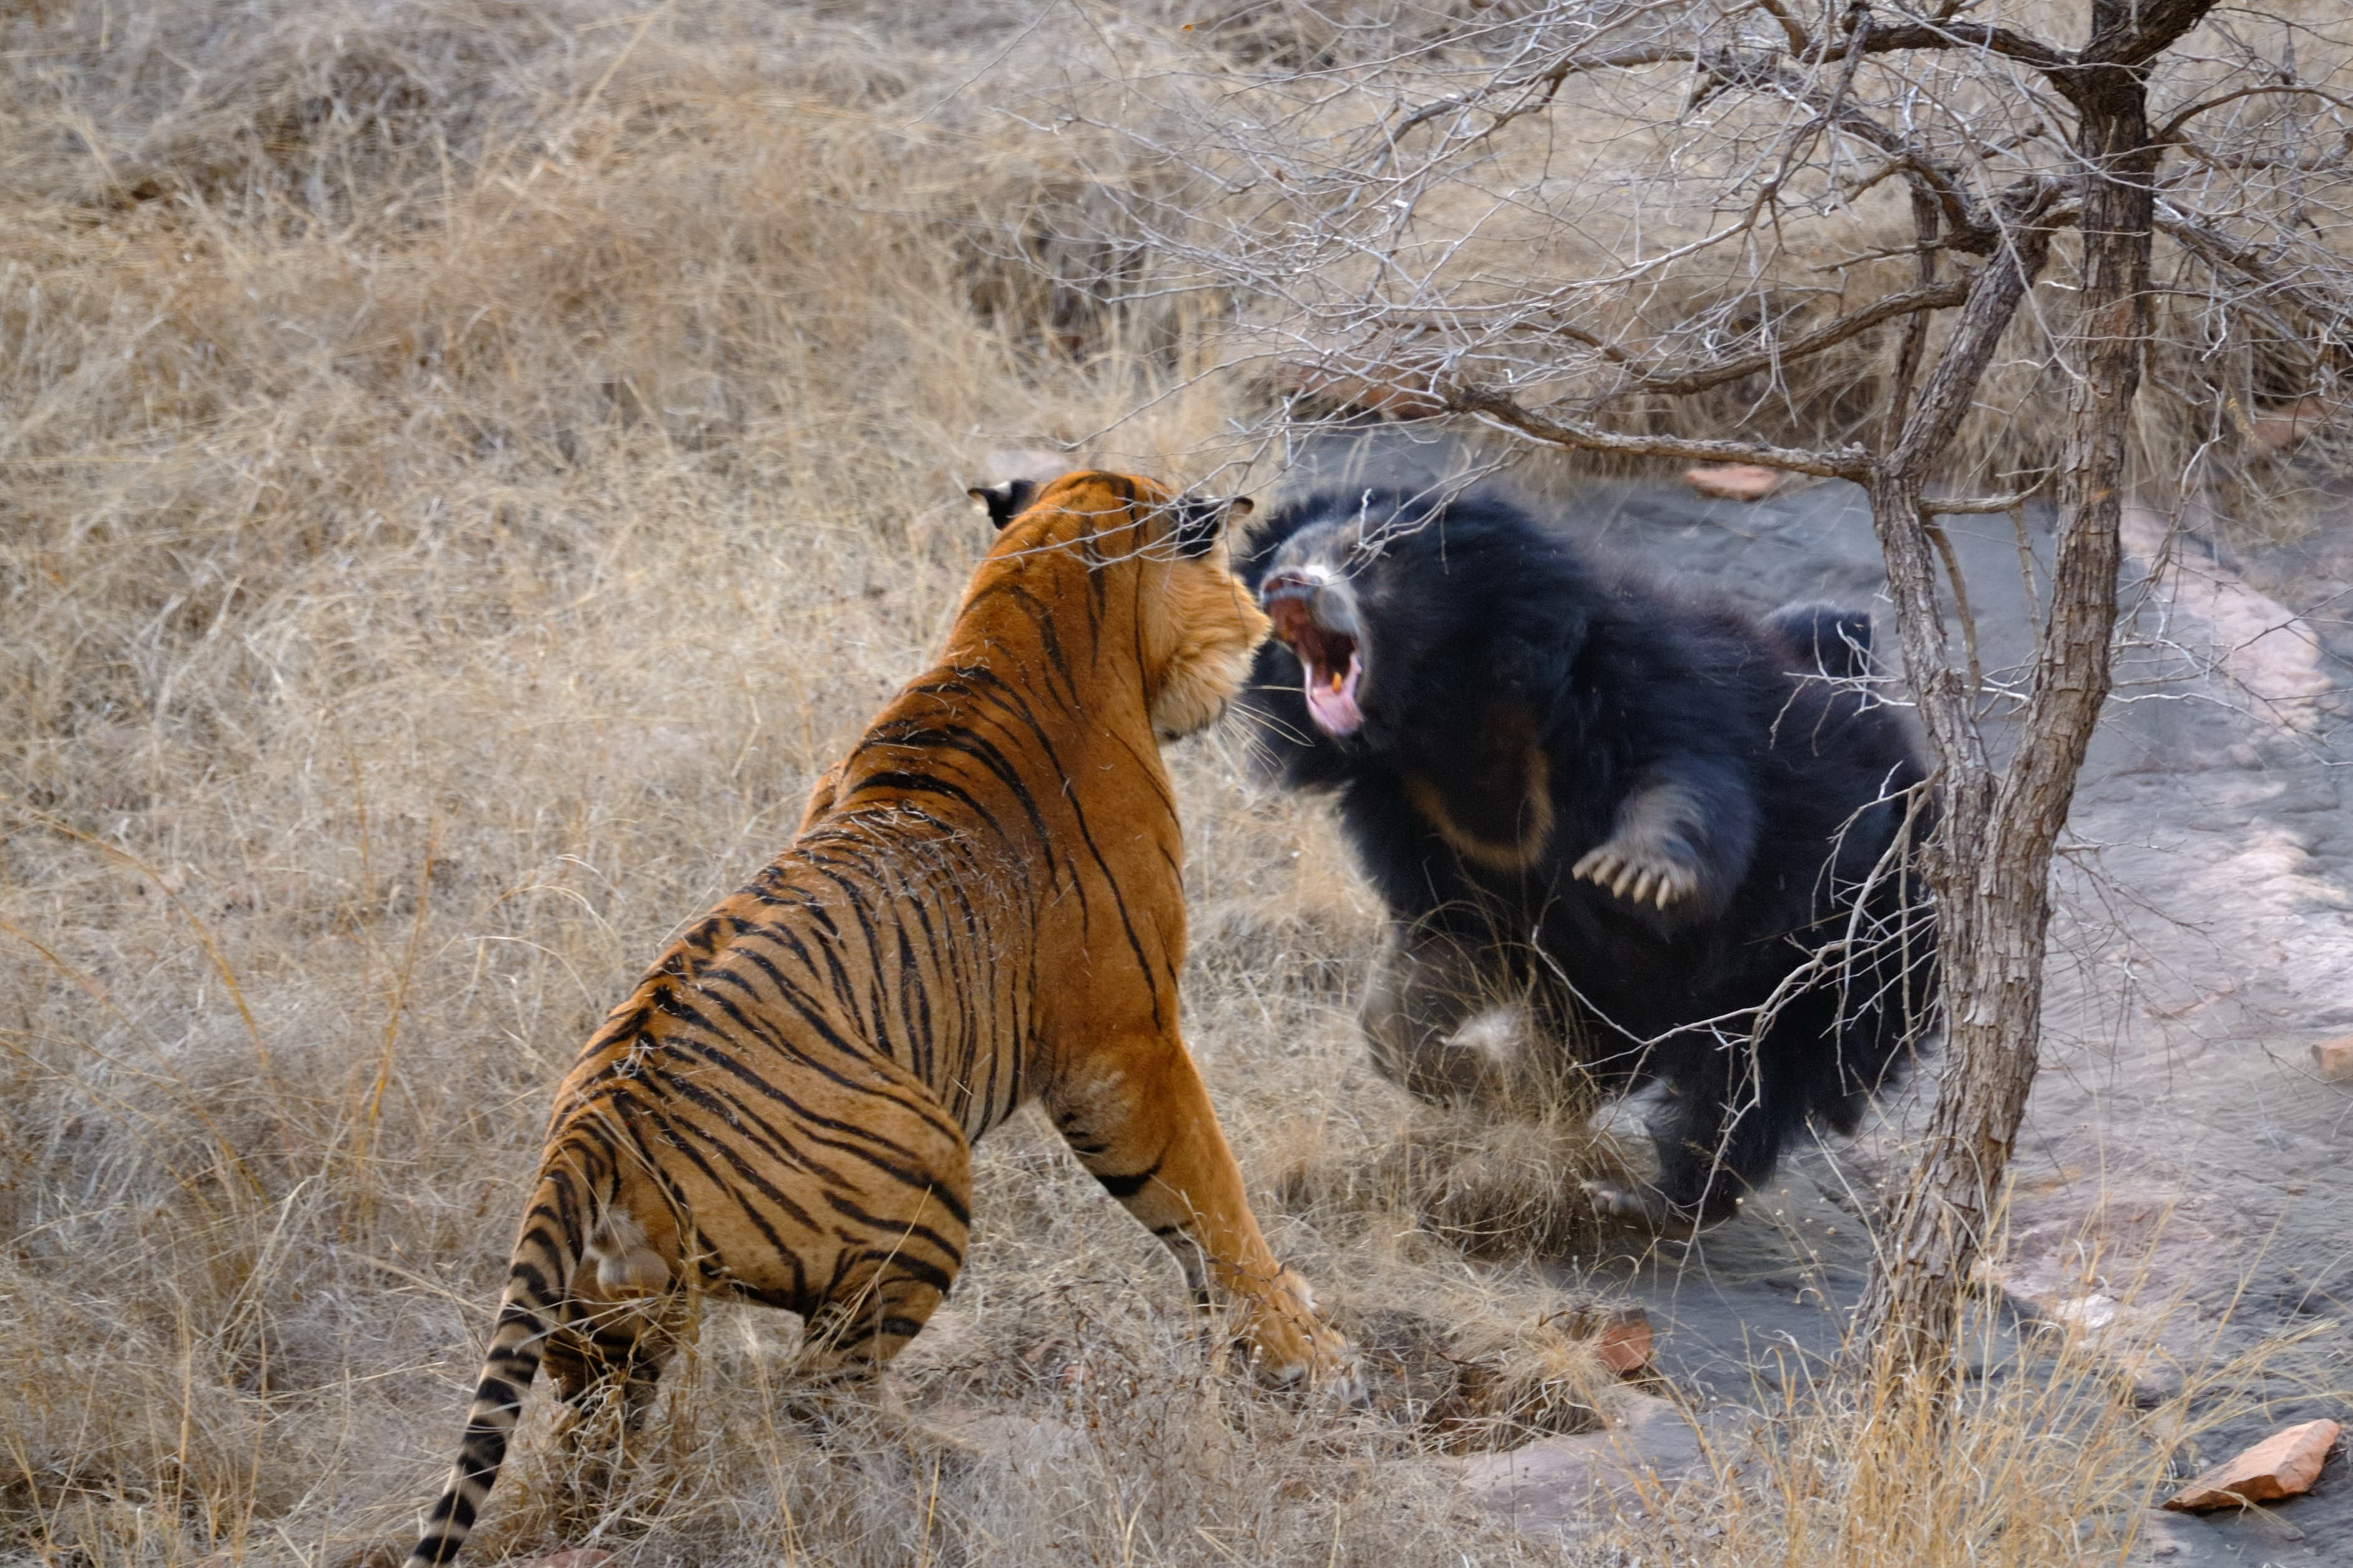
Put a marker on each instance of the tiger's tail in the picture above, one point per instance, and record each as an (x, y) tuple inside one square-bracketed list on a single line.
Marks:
[(539, 1281)]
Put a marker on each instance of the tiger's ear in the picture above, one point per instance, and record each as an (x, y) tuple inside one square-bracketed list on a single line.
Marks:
[(1199, 522), (1005, 501)]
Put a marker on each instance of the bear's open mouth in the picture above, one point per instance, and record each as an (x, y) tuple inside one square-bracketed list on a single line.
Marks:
[(1328, 656)]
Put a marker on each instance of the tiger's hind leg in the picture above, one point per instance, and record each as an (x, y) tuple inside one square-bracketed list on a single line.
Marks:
[(626, 1320), (605, 1365), (849, 1342), (904, 1229), (885, 1300)]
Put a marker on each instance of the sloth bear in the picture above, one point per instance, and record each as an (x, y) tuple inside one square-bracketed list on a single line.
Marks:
[(1682, 836)]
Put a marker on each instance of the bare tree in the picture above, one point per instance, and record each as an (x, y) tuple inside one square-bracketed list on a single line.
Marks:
[(1920, 249)]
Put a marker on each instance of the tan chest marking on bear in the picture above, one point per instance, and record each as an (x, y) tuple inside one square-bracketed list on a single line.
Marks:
[(1535, 817)]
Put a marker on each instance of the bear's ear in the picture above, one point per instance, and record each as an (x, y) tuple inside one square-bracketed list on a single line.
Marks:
[(1199, 522), (1005, 501)]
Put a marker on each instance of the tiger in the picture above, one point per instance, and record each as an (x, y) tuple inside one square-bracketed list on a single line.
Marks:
[(982, 908)]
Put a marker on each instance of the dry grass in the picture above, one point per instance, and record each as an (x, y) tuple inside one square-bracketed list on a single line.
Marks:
[(466, 470)]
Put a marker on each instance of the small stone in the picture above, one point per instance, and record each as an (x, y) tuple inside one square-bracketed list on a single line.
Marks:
[(2086, 1311), (1731, 481), (2281, 1465), (2334, 1059), (571, 1557), (1624, 1343)]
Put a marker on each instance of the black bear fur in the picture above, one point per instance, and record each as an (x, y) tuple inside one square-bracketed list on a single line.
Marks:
[(1640, 810)]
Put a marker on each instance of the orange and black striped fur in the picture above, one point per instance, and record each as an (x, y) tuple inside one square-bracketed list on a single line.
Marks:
[(982, 909)]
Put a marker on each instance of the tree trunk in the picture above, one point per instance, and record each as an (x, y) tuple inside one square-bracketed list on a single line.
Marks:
[(1991, 872)]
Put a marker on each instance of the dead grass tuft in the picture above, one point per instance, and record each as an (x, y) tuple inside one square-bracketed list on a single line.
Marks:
[(1493, 1186)]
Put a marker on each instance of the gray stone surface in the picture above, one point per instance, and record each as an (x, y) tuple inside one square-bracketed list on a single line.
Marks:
[(1570, 1486)]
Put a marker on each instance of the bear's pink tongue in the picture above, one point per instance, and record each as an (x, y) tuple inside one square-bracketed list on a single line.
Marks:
[(1333, 704)]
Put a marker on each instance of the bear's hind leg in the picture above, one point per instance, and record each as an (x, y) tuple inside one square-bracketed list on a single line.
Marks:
[(1732, 1102), (1426, 984)]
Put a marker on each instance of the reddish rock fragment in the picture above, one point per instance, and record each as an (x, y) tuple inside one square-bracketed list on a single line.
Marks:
[(2334, 1059), (1624, 1343), (2281, 1465), (1620, 1335), (1731, 481)]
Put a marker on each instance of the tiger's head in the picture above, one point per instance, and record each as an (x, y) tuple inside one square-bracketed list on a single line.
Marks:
[(1161, 559)]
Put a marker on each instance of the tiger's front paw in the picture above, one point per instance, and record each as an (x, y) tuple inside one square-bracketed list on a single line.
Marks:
[(1291, 1345), (1642, 869)]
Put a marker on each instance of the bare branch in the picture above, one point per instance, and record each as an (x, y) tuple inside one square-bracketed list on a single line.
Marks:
[(1924, 215), (2332, 313), (2003, 42), (1847, 463), (1953, 506), (1545, 81), (2172, 130), (1968, 227), (1995, 294), (2311, 164), (2158, 24), (1830, 335), (1718, 372), (1794, 30), (2132, 33)]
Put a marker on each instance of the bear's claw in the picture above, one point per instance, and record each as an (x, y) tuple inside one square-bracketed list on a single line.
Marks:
[(1644, 875)]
